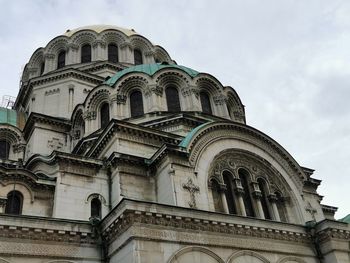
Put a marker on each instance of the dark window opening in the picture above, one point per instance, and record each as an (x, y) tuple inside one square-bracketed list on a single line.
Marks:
[(246, 196), (14, 203), (113, 53), (264, 201), (104, 115), (96, 208), (136, 104), (205, 102), (42, 67), (86, 53), (4, 149), (138, 57), (172, 99), (61, 59), (229, 192)]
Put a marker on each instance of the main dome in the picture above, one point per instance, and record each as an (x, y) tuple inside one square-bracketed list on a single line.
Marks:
[(99, 29)]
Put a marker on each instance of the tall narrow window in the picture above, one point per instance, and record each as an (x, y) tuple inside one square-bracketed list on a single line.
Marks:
[(86, 53), (172, 99), (280, 207), (104, 114), (61, 59), (136, 103), (138, 57), (205, 102), (4, 149), (243, 176), (113, 53), (264, 201), (216, 196), (227, 176), (14, 203), (96, 208), (42, 67)]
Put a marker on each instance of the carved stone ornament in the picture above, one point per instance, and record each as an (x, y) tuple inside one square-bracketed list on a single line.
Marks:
[(55, 144), (90, 115), (193, 189), (219, 99), (119, 99)]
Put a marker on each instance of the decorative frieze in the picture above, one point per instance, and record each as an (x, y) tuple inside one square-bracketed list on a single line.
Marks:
[(52, 91), (89, 115), (55, 144)]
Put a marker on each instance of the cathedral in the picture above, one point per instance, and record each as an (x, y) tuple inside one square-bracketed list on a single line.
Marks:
[(112, 152)]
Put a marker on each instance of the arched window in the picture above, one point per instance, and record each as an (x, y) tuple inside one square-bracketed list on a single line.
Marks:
[(264, 200), (227, 176), (113, 53), (14, 203), (280, 207), (138, 57), (86, 53), (172, 99), (216, 196), (96, 207), (136, 103), (243, 176), (4, 149), (61, 59), (42, 67), (104, 114), (205, 102)]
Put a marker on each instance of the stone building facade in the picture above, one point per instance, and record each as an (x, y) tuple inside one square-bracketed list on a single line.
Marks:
[(121, 155)]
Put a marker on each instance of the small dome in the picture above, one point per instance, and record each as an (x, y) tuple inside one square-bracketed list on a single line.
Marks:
[(99, 29), (149, 69)]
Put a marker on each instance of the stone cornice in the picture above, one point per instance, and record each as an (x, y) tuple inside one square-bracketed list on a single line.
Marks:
[(132, 212), (134, 130), (10, 175), (64, 158), (54, 76), (42, 118), (45, 229), (102, 65)]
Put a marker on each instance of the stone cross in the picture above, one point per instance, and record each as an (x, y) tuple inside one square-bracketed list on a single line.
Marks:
[(192, 189), (311, 210)]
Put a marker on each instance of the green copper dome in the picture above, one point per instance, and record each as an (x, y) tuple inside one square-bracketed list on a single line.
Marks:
[(148, 69)]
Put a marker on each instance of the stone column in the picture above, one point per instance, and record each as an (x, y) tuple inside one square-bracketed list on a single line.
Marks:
[(119, 112), (273, 200), (257, 195), (72, 53), (49, 63), (99, 51), (220, 106), (240, 193), (3, 201), (126, 55), (222, 189)]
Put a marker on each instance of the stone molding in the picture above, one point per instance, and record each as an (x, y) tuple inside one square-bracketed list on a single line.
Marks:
[(130, 217)]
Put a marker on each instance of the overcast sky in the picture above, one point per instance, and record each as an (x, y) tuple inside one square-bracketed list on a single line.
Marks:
[(288, 60)]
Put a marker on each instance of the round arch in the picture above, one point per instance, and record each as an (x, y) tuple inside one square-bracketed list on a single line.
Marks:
[(291, 259), (247, 253), (185, 250)]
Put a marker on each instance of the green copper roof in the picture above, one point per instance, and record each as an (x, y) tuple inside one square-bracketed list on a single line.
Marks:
[(148, 69), (346, 219), (184, 143), (8, 116)]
